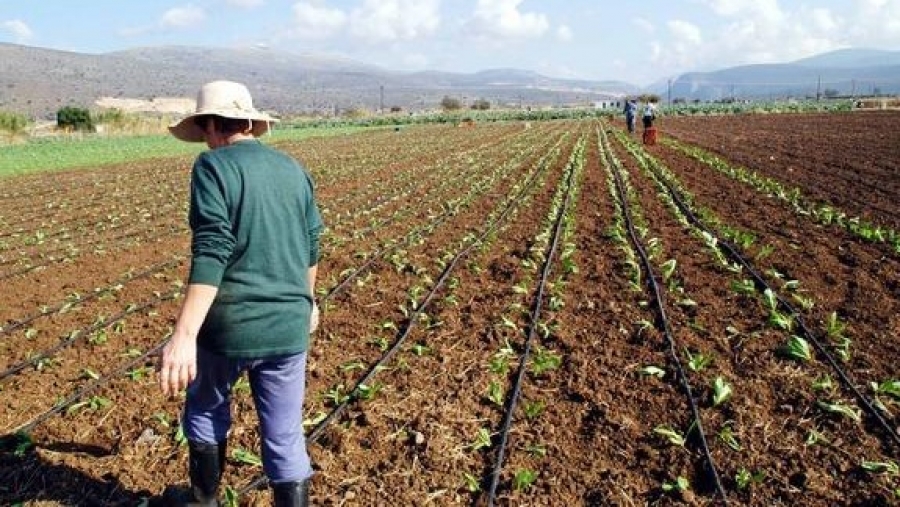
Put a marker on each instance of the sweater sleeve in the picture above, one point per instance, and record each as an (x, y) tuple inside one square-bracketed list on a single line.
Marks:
[(212, 241), (314, 223)]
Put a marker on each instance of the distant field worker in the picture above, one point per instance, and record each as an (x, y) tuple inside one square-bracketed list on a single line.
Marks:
[(249, 304), (648, 115), (630, 114)]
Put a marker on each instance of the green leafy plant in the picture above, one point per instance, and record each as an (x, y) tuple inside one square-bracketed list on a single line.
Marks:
[(744, 478), (698, 362), (653, 371), (495, 393), (721, 391), (246, 457), (726, 435), (797, 348), (533, 409), (671, 435), (881, 467), (840, 409), (524, 479), (543, 361), (471, 483), (482, 439), (677, 486)]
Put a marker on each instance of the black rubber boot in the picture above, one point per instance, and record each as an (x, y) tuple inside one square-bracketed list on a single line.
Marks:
[(207, 462), (291, 494)]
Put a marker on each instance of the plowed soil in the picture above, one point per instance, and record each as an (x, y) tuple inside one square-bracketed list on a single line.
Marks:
[(432, 267)]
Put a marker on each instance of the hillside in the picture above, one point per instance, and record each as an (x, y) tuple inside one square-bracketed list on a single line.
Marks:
[(846, 72), (37, 82)]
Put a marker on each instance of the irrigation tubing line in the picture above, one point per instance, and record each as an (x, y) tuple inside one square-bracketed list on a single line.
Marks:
[(162, 266), (510, 405), (761, 282), (412, 319), (112, 242), (91, 387), (72, 338), (664, 321)]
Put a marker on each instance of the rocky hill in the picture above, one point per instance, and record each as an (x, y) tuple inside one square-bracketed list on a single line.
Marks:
[(37, 81)]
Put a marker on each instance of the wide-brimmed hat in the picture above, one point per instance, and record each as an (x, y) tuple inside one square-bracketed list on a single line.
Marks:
[(222, 98)]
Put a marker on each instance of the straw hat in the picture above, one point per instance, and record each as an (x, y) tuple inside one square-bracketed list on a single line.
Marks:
[(222, 98)]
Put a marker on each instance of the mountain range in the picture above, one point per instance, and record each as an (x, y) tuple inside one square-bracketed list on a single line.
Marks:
[(37, 81)]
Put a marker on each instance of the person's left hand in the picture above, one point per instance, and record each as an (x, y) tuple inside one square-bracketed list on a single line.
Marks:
[(314, 318), (178, 365)]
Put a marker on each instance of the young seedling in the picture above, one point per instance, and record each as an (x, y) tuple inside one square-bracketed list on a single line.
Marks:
[(543, 361), (881, 467), (797, 348), (889, 387), (482, 439), (744, 478), (533, 409), (840, 409), (697, 362), (743, 286), (495, 393), (368, 392), (232, 498), (726, 435), (671, 435), (246, 457), (471, 483), (721, 391), (653, 371), (524, 479), (680, 485)]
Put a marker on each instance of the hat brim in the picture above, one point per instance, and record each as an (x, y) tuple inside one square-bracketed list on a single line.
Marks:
[(187, 130)]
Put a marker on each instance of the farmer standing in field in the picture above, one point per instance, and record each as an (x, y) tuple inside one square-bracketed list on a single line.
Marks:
[(630, 114), (249, 303), (649, 114)]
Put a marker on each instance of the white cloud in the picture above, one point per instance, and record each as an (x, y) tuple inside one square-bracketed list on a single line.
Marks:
[(392, 20), (20, 30), (685, 33), (564, 33), (180, 17), (644, 25), (502, 19), (316, 22), (247, 4)]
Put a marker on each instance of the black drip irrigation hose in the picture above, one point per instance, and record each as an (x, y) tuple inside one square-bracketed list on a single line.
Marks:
[(412, 319), (78, 249), (807, 333), (510, 404), (89, 388), (660, 305), (46, 353), (156, 268)]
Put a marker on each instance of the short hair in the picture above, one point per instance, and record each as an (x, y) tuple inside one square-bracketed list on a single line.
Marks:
[(224, 125)]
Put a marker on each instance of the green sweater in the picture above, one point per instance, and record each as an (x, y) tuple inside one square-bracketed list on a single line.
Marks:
[(255, 230)]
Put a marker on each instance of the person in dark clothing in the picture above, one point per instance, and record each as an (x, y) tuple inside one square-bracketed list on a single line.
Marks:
[(249, 304), (630, 114)]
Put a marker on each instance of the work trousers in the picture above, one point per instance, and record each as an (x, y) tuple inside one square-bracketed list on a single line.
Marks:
[(278, 385)]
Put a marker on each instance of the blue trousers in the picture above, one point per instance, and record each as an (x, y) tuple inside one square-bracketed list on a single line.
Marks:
[(278, 385)]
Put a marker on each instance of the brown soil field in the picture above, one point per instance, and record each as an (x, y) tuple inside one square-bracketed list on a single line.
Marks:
[(491, 333)]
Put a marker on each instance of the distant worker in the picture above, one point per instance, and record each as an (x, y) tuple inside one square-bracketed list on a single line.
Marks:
[(630, 114), (647, 117), (649, 114)]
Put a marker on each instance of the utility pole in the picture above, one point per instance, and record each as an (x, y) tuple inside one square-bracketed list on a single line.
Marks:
[(670, 92), (819, 89), (381, 99)]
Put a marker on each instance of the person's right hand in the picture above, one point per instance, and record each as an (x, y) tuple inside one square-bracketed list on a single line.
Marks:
[(178, 365)]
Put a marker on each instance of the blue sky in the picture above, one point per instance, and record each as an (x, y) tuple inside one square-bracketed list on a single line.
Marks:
[(639, 41)]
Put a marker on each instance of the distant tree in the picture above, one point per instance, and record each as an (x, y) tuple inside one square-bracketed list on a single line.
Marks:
[(450, 104), (396, 109), (830, 93), (12, 122), (75, 118), (481, 105)]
